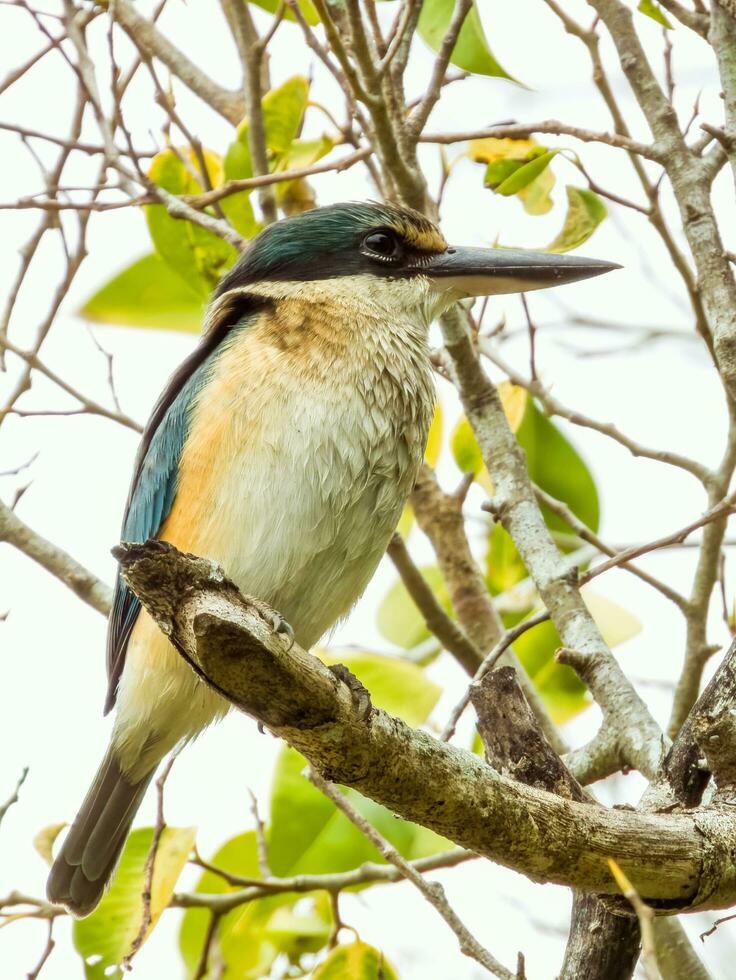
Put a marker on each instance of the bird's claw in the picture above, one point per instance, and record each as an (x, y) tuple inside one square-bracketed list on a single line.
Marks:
[(281, 626), (360, 694)]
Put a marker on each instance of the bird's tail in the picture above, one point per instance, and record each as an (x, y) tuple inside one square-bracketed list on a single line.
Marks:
[(87, 859)]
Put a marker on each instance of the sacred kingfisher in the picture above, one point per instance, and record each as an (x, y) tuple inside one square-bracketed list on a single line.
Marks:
[(283, 448)]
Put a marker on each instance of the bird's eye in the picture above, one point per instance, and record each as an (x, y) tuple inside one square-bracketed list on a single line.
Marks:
[(382, 245)]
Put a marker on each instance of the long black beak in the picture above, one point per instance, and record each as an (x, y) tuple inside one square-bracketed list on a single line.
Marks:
[(486, 271)]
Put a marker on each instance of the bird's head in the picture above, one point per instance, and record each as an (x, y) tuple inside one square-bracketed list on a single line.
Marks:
[(392, 257)]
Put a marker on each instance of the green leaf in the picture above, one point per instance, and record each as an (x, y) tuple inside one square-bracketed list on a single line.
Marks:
[(522, 175), (306, 7), (149, 293), (556, 467), (355, 961), (504, 567), (238, 856), (109, 931), (253, 935), (471, 51), (304, 931), (562, 691), (464, 445), (585, 211), (197, 255), (653, 10), (283, 111), (396, 686), (398, 619), (504, 157), (309, 835)]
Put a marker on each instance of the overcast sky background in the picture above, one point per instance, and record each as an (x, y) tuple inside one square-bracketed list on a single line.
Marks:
[(667, 395)]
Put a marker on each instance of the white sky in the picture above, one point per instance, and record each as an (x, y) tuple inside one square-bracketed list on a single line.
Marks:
[(52, 663)]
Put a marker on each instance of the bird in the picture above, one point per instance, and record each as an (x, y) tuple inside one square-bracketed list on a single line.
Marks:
[(284, 448)]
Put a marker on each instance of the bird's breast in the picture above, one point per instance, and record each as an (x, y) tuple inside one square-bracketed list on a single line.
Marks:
[(297, 465)]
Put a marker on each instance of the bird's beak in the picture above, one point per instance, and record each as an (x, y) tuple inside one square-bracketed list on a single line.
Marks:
[(487, 271)]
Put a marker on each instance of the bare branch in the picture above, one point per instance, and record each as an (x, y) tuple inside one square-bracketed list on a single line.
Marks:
[(15, 795), (432, 891), (152, 43), (55, 560), (550, 126)]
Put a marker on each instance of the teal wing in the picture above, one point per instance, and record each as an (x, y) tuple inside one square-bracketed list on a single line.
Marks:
[(156, 474)]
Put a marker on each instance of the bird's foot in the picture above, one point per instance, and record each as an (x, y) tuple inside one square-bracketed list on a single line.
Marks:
[(273, 619), (360, 694), (280, 625)]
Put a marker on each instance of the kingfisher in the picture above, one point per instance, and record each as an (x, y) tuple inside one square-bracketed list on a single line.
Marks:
[(284, 448)]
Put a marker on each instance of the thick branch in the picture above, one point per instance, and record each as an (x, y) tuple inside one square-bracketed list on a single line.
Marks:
[(516, 507), (674, 860), (690, 183), (601, 945)]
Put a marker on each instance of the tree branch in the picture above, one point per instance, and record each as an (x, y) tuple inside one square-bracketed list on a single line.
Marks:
[(516, 507), (152, 43), (55, 560), (675, 859)]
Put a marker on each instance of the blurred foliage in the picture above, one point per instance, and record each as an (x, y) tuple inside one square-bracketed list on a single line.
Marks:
[(355, 961), (147, 294), (105, 937), (557, 468)]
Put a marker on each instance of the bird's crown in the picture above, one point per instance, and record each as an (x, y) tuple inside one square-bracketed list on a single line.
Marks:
[(339, 240)]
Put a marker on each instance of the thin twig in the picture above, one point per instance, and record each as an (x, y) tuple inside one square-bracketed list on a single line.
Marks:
[(432, 891), (13, 798)]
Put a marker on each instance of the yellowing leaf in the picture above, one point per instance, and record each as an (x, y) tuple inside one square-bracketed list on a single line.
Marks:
[(585, 211), (431, 455), (434, 439), (653, 10), (149, 293), (536, 196), (106, 936), (45, 839), (471, 51), (464, 445), (306, 7), (355, 961), (617, 625), (490, 148)]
